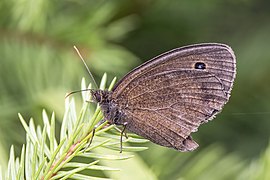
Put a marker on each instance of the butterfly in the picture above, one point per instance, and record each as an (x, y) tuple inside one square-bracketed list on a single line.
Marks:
[(167, 98)]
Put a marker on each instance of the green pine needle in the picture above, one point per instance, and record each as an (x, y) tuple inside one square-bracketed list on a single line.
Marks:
[(43, 157)]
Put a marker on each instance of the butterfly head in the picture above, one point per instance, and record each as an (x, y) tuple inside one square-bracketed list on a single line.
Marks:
[(100, 96)]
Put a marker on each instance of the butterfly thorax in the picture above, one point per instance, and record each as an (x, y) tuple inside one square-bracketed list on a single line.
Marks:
[(111, 111)]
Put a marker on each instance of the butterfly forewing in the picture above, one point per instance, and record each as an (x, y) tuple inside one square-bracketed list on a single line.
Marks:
[(219, 59), (168, 97)]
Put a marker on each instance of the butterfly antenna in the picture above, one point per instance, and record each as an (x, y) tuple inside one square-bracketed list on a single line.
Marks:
[(89, 72), (73, 92)]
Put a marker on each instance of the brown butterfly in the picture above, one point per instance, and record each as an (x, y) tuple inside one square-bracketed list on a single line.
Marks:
[(170, 96)]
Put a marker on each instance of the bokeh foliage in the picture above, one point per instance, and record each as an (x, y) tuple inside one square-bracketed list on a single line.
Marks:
[(38, 67)]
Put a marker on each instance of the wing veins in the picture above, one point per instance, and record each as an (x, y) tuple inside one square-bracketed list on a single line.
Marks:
[(163, 88), (175, 122), (162, 136), (195, 110)]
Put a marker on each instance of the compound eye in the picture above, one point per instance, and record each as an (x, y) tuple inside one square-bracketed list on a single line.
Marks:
[(97, 97)]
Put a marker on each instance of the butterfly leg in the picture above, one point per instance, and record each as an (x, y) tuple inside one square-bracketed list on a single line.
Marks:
[(93, 132), (119, 130), (121, 137)]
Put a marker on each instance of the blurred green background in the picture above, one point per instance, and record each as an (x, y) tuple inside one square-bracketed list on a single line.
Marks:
[(38, 66)]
